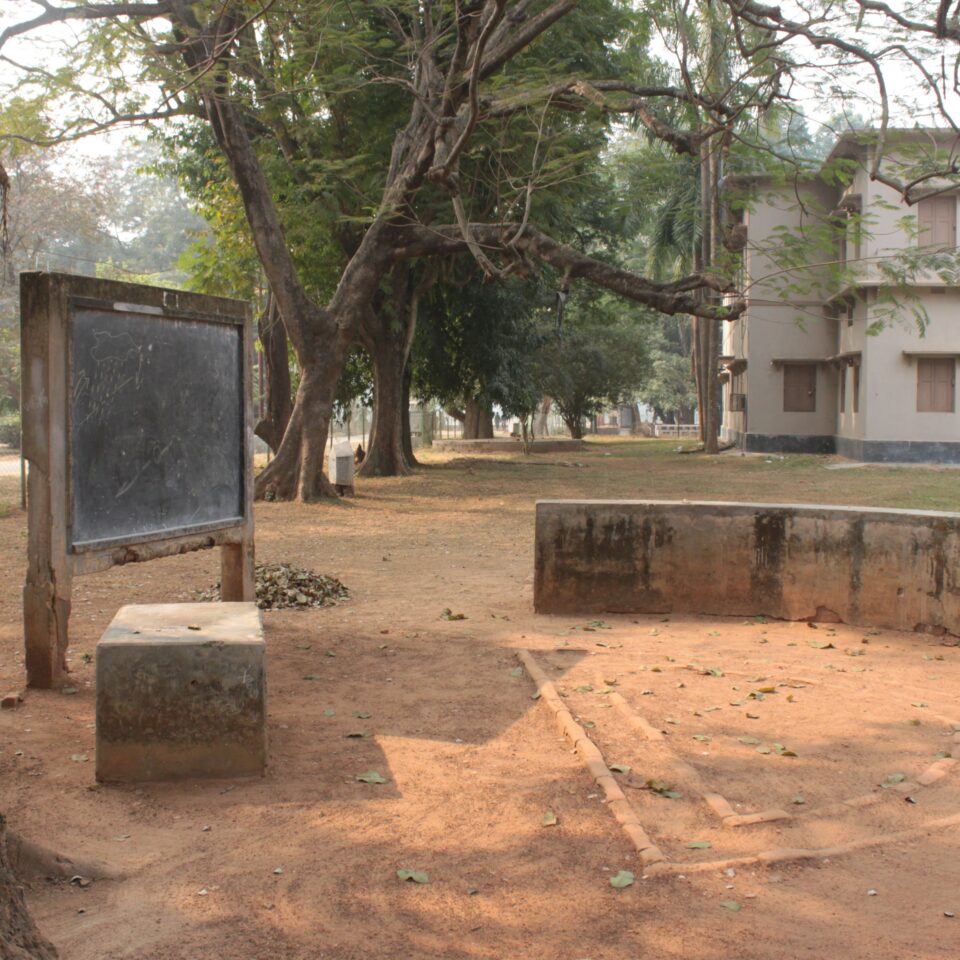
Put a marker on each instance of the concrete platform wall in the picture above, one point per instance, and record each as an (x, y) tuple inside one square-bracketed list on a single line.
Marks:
[(886, 568), (506, 446)]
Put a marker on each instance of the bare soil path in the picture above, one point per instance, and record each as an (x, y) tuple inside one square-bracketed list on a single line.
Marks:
[(302, 864)]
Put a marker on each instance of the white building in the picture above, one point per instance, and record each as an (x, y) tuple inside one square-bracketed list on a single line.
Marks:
[(808, 367)]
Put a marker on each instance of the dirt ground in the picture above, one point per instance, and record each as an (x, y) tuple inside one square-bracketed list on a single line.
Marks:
[(302, 864)]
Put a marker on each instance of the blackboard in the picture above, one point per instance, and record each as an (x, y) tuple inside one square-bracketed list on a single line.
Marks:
[(156, 424)]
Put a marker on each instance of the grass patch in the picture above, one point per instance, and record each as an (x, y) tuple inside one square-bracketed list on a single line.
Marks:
[(653, 469)]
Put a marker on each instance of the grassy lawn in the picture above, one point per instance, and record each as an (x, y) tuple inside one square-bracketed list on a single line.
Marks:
[(653, 469)]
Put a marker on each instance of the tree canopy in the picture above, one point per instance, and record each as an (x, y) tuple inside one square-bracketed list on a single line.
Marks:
[(390, 136)]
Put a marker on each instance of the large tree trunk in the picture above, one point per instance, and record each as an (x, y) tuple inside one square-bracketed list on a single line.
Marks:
[(478, 420), (19, 937), (277, 399), (575, 426), (387, 334), (296, 473), (385, 454), (543, 412)]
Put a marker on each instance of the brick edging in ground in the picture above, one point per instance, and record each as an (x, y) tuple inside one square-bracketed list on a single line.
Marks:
[(593, 760), (655, 864)]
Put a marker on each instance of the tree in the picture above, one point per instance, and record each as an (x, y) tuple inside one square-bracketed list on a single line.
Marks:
[(111, 219), (448, 57), (19, 937), (670, 390), (262, 79), (588, 368), (471, 340)]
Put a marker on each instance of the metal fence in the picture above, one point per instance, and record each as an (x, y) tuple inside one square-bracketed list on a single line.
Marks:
[(427, 423), (676, 430)]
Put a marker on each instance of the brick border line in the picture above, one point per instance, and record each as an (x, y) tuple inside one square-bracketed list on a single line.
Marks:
[(616, 800), (785, 854), (718, 804), (655, 864), (936, 771), (640, 724)]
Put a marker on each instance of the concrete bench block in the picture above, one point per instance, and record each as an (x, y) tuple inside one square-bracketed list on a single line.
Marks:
[(181, 692)]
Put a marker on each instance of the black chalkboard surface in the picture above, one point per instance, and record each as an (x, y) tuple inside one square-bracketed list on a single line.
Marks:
[(156, 424)]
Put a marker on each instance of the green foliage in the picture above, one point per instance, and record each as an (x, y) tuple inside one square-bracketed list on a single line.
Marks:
[(593, 366), (473, 342), (670, 387), (355, 384), (9, 357), (10, 430)]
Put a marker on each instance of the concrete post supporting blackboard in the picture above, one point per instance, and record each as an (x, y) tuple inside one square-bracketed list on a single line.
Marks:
[(138, 424)]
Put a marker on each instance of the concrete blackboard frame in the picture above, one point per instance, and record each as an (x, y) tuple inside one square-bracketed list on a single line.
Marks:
[(48, 302)]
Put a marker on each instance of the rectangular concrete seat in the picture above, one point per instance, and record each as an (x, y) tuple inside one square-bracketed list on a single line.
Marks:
[(181, 692)]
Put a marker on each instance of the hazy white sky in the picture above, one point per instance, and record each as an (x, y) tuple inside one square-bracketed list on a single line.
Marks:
[(812, 94)]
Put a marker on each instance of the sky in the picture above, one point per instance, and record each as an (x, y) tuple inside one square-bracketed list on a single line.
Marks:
[(813, 95)]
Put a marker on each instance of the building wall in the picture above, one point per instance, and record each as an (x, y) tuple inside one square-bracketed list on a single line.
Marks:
[(776, 335), (784, 323), (890, 378), (800, 211), (889, 226), (852, 338), (735, 344)]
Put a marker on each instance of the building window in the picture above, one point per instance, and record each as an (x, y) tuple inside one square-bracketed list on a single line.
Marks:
[(935, 384), (937, 218), (843, 388), (799, 387), (856, 388)]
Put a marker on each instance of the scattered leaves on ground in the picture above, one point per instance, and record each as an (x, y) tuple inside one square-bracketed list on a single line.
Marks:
[(282, 586), (621, 879), (662, 789), (417, 876)]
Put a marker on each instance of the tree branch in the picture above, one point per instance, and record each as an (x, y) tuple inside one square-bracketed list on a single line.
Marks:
[(87, 11), (670, 298), (511, 45)]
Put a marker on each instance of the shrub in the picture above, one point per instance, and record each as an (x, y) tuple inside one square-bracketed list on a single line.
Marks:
[(10, 430)]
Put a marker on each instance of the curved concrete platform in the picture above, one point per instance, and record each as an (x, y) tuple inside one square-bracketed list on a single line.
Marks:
[(880, 568)]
